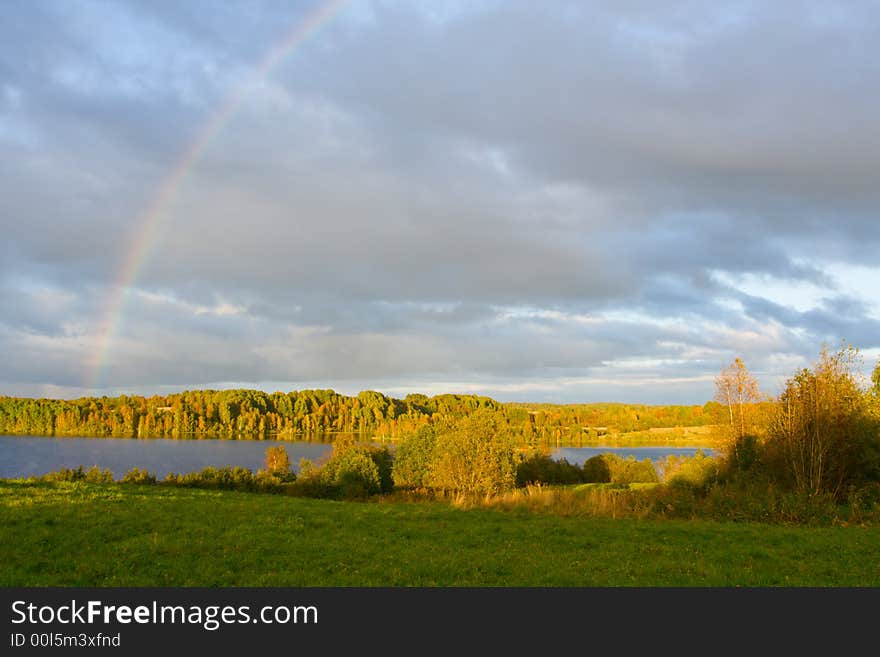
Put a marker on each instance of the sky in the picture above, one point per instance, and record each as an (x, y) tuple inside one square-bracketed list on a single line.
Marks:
[(558, 202)]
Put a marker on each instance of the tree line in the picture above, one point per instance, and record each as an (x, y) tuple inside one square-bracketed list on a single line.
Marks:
[(254, 414)]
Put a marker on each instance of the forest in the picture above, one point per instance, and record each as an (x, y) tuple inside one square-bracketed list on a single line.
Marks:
[(254, 414)]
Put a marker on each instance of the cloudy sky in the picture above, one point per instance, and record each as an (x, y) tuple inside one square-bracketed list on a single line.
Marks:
[(535, 201)]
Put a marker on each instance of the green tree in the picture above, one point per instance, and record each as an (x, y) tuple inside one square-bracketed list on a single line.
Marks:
[(414, 458), (353, 473), (596, 469), (822, 436), (476, 455)]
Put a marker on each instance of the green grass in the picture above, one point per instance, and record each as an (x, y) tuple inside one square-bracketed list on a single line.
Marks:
[(124, 535)]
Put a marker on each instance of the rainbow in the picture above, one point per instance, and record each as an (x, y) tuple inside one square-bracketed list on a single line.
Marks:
[(153, 219)]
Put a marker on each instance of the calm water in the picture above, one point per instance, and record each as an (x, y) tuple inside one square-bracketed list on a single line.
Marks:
[(578, 455), (24, 456)]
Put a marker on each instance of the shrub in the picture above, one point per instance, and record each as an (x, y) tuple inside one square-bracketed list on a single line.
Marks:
[(96, 475), (596, 470), (226, 478), (609, 468), (93, 475), (65, 474), (744, 453), (306, 468), (699, 471), (476, 455), (631, 471), (354, 470), (384, 460), (543, 469), (823, 438), (137, 476), (309, 482), (413, 459), (352, 473), (278, 469), (311, 487)]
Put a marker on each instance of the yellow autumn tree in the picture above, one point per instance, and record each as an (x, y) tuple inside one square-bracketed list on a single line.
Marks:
[(736, 388), (823, 437)]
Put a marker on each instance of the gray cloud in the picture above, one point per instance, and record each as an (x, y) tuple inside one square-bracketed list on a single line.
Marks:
[(505, 197)]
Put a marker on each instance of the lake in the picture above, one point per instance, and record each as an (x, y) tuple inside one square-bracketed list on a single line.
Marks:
[(25, 456), (578, 455)]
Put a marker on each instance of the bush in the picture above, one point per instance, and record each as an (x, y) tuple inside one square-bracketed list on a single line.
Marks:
[(823, 437), (93, 475), (760, 499), (609, 468), (384, 460), (226, 478), (96, 475), (413, 459), (65, 474), (352, 473), (278, 469), (311, 486), (543, 469), (137, 476), (744, 453), (476, 455), (309, 483), (596, 470), (698, 471), (631, 471)]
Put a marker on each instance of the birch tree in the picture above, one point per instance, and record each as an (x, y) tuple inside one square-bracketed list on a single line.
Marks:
[(735, 387), (821, 428)]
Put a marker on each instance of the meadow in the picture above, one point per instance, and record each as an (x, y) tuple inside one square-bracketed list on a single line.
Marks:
[(468, 495), (82, 534)]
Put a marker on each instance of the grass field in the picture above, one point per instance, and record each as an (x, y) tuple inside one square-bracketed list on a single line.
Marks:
[(701, 436), (124, 535)]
